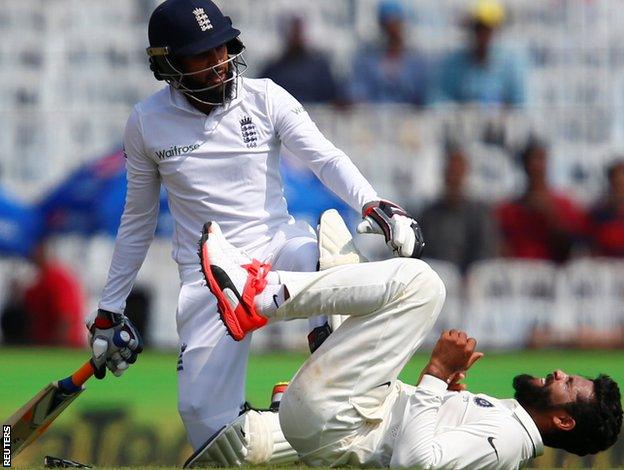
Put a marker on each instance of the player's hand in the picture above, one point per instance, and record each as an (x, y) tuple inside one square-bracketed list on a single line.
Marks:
[(452, 356), (455, 382), (400, 230), (115, 342)]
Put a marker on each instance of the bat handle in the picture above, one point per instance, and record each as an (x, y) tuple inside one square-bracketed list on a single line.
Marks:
[(74, 382)]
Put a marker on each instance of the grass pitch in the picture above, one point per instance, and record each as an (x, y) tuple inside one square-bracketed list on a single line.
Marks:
[(150, 432), (150, 385)]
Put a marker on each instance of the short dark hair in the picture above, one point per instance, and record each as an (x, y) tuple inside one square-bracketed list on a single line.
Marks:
[(598, 421)]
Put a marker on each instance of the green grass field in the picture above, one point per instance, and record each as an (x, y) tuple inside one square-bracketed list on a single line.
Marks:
[(133, 420)]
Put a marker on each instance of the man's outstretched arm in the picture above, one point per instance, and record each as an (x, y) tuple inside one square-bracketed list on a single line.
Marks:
[(335, 169)]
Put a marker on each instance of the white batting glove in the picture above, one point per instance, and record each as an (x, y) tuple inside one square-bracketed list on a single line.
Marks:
[(400, 230), (115, 342)]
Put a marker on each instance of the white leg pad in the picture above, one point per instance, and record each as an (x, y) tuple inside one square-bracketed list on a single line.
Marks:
[(336, 248), (255, 437), (336, 245)]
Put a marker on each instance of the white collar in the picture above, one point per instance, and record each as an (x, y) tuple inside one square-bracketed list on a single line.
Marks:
[(528, 424)]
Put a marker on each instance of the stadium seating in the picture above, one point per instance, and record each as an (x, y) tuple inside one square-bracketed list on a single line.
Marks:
[(72, 69), (507, 299), (591, 295)]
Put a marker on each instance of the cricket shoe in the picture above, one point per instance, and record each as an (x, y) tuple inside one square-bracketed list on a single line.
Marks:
[(234, 280)]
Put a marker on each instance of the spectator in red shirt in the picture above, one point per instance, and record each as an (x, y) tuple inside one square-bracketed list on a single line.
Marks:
[(541, 224), (607, 216), (54, 304)]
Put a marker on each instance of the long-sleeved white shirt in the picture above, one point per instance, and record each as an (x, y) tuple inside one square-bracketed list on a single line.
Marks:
[(222, 167), (439, 429)]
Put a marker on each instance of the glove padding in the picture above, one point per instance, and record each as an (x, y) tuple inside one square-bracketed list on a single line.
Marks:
[(401, 232), (115, 342)]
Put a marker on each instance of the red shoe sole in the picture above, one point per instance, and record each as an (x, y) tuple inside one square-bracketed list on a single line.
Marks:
[(228, 317)]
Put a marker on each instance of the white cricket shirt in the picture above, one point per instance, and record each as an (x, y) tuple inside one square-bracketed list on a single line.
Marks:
[(222, 167), (461, 430)]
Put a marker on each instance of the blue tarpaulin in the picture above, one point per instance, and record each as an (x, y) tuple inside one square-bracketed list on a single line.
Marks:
[(91, 199), (20, 226), (307, 197)]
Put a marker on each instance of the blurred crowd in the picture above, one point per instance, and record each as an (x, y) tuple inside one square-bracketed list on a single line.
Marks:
[(46, 310), (541, 223), (388, 71), (48, 307)]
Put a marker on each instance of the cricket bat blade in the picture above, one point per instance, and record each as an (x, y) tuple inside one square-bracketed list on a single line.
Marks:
[(34, 418)]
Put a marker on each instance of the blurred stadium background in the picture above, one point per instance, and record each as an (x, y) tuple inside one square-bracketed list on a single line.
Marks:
[(72, 69)]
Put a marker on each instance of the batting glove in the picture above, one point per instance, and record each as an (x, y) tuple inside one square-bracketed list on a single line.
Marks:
[(400, 230), (115, 342)]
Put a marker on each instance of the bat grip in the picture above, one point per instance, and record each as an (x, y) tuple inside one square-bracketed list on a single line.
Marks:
[(73, 383)]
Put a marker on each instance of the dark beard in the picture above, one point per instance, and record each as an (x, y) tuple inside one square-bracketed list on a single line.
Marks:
[(537, 399), (220, 94), (216, 95), (529, 395)]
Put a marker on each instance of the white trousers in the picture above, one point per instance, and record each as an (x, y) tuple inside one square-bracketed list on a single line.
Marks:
[(336, 408), (212, 366)]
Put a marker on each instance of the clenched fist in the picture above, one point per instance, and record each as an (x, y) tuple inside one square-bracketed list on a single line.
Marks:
[(452, 356)]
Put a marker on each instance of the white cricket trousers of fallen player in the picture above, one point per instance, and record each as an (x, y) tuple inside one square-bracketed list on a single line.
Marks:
[(212, 366), (337, 408)]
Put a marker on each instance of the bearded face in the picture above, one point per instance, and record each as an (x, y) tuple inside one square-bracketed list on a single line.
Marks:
[(208, 76), (532, 393), (559, 399), (221, 93)]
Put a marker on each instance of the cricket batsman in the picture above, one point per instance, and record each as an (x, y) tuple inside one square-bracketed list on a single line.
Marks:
[(346, 407), (213, 139)]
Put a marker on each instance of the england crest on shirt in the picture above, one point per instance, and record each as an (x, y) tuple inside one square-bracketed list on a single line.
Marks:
[(248, 132)]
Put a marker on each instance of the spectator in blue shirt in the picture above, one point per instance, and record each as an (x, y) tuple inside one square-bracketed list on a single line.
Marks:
[(304, 72), (482, 72), (389, 72)]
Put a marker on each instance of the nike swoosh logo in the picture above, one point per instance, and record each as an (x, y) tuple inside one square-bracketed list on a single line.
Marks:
[(275, 300), (491, 441), (385, 384)]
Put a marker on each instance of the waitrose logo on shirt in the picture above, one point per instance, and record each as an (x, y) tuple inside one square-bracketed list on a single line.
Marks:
[(175, 151)]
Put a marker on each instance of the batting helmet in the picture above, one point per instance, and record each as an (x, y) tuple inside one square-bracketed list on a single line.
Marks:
[(183, 28)]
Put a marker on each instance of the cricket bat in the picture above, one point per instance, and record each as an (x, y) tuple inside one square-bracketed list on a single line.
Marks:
[(34, 418)]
